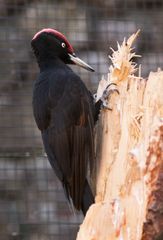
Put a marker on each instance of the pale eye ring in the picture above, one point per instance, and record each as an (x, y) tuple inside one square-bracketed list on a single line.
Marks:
[(63, 45)]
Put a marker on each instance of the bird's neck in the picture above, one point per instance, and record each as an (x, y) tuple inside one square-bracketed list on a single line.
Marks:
[(49, 63)]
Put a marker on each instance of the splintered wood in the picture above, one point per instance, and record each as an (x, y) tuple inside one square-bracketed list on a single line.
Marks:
[(129, 164)]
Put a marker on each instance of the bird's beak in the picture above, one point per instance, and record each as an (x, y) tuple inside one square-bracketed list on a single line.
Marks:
[(80, 63)]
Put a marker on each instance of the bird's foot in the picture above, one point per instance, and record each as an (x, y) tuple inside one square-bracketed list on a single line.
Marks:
[(110, 89)]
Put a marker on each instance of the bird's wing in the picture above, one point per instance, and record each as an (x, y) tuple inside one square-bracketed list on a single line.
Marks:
[(40, 102), (71, 137)]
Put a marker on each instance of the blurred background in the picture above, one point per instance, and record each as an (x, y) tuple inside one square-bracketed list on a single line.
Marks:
[(32, 203)]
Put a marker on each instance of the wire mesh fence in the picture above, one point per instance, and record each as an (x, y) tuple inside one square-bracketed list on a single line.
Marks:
[(32, 203)]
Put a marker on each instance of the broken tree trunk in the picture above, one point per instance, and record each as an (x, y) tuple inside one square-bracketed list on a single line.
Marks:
[(129, 164)]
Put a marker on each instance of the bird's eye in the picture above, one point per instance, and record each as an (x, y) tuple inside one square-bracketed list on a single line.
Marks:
[(63, 45)]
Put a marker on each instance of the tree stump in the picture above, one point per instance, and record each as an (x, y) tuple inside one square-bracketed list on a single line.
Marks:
[(129, 158)]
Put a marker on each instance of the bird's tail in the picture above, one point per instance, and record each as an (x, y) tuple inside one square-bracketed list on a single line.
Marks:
[(86, 201), (88, 198)]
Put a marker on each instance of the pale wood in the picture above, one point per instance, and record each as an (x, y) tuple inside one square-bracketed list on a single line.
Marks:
[(129, 167)]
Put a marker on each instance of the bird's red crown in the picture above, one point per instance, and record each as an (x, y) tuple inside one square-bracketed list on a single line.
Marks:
[(57, 34)]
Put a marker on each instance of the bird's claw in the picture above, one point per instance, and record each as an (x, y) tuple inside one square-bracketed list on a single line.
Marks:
[(111, 88)]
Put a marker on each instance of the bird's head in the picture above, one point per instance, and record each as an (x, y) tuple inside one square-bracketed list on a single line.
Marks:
[(50, 44)]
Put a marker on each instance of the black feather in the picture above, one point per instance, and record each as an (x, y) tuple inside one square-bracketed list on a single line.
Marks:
[(64, 112)]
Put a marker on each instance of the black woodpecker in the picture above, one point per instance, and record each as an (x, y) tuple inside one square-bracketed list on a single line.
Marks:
[(65, 113)]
